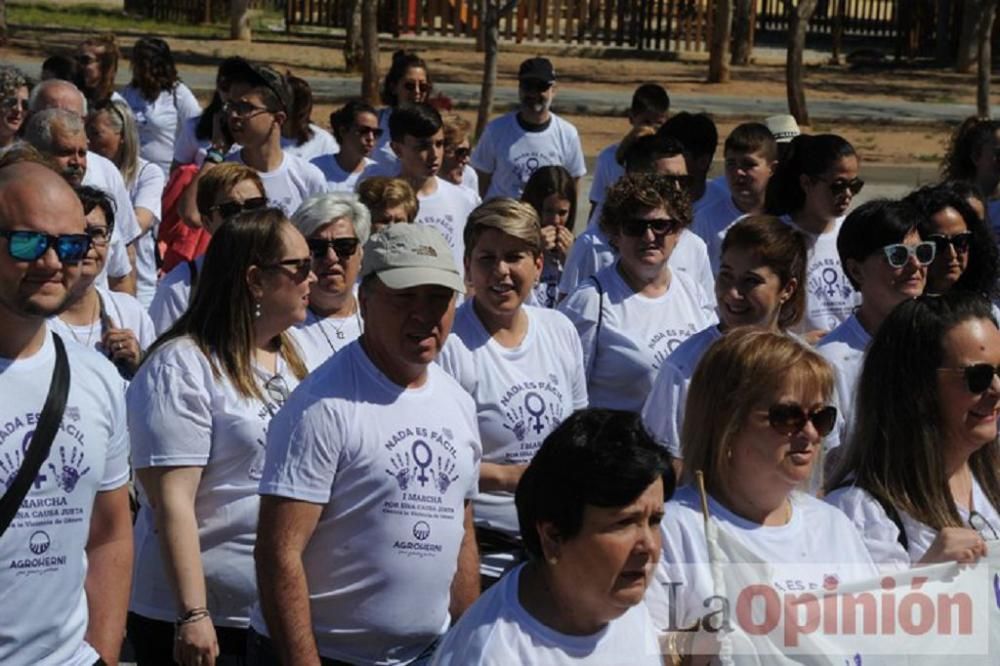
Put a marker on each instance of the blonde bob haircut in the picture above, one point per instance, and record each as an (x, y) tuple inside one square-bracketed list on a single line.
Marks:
[(514, 218), (746, 369), (381, 193)]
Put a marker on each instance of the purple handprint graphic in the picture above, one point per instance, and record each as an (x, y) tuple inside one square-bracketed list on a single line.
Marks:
[(9, 465), (400, 469), (444, 476), (69, 473)]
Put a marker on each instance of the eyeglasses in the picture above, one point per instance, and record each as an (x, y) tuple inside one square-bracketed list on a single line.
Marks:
[(14, 104), (960, 242), (790, 418), (840, 186), (638, 226), (978, 377), (978, 522), (244, 109), (228, 209), (459, 153), (31, 245), (362, 130), (301, 268), (99, 236), (899, 254), (413, 86), (343, 247)]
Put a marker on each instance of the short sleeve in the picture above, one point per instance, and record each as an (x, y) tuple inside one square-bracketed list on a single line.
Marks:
[(187, 105), (170, 413), (148, 191), (583, 309), (483, 156), (116, 466), (577, 373), (170, 300), (878, 533), (186, 145), (118, 264), (575, 163), (664, 408), (580, 264)]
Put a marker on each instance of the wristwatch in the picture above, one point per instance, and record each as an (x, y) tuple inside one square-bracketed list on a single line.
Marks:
[(214, 155)]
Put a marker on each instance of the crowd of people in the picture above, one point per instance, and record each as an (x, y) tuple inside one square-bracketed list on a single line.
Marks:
[(276, 393)]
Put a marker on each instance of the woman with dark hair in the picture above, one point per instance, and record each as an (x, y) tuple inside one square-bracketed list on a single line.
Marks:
[(589, 505), (112, 322), (757, 411), (967, 253), (13, 103), (551, 191), (98, 58), (632, 314), (356, 130), (199, 409), (812, 189), (921, 476), (408, 81), (972, 158), (160, 102), (300, 136), (761, 283), (196, 135)]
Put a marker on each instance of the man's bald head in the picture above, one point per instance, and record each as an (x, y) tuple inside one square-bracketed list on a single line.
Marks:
[(25, 187), (57, 94)]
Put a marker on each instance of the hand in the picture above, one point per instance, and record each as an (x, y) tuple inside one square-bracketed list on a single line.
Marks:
[(955, 544), (220, 137), (123, 348), (195, 643), (557, 240), (813, 337)]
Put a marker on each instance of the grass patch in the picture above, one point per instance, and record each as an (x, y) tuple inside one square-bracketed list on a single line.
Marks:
[(101, 18)]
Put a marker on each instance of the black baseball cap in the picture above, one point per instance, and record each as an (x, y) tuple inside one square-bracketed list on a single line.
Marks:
[(537, 69)]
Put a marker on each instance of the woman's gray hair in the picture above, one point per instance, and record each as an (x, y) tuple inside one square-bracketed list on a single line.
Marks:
[(322, 209), (12, 79), (123, 122)]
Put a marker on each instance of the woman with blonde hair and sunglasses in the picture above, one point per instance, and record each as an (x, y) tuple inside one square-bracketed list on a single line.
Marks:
[(199, 409), (921, 475), (757, 411)]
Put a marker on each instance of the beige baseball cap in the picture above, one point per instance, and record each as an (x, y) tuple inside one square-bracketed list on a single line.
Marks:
[(411, 255)]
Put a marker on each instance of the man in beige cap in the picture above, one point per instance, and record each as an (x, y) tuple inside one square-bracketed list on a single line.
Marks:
[(365, 547)]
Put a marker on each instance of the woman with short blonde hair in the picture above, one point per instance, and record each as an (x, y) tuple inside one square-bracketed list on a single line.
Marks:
[(389, 200)]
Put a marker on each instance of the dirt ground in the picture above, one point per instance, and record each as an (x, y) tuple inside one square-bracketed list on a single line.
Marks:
[(895, 144)]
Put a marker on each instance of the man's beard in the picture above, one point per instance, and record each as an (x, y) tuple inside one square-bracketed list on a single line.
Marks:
[(74, 174)]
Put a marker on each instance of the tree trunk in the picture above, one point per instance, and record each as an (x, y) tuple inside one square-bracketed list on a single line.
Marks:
[(722, 31), (3, 22), (984, 67), (968, 42), (798, 23), (490, 18), (838, 31), (742, 32), (239, 20), (369, 37), (942, 32), (353, 47)]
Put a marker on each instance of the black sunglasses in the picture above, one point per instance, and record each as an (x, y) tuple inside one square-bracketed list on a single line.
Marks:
[(960, 242), (31, 245), (460, 153), (898, 254), (343, 247), (230, 208), (661, 226), (978, 377), (790, 418), (361, 130), (300, 268), (841, 186)]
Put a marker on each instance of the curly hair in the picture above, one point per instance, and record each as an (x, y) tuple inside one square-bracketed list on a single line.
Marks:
[(401, 62), (12, 79), (153, 69), (968, 139), (636, 192)]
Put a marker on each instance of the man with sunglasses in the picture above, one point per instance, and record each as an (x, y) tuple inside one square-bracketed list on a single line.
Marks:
[(67, 553), (516, 144), (886, 261)]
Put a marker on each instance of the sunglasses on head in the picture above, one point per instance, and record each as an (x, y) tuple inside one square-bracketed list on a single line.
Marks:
[(978, 377), (361, 130), (638, 226), (343, 247), (960, 242), (790, 418), (899, 254), (31, 245), (297, 269), (228, 209)]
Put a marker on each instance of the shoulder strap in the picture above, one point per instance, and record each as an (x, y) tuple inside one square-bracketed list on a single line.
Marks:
[(600, 322), (41, 439)]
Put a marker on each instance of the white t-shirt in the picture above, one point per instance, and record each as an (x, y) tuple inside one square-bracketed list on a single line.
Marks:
[(470, 180), (447, 210), (802, 556), (711, 223), (173, 295), (160, 119), (319, 339), (43, 616), (511, 154), (592, 252), (123, 310), (830, 298), (189, 149), (881, 535), (392, 469), (147, 192), (545, 294), (637, 333), (844, 349), (521, 394), (294, 181), (338, 180), (606, 173), (321, 143), (182, 415), (663, 413), (105, 176), (498, 631)]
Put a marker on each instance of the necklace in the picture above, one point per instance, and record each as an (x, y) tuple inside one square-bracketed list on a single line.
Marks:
[(338, 331), (90, 330)]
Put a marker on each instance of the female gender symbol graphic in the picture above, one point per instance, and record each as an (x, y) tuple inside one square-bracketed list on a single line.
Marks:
[(421, 445), (536, 409)]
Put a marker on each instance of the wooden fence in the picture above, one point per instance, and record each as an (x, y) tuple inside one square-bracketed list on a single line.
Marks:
[(192, 11)]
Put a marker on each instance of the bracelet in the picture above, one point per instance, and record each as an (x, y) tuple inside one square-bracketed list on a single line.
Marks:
[(193, 615), (214, 155)]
